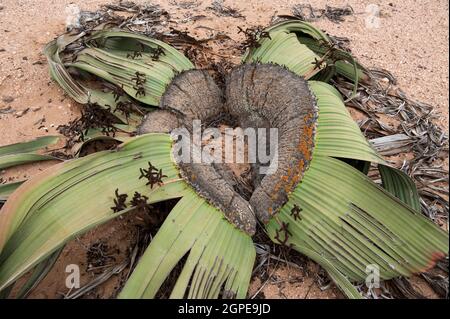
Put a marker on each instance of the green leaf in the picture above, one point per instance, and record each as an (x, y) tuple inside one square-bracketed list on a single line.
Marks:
[(23, 158), (400, 185), (31, 221), (338, 277), (357, 224), (284, 49), (96, 136), (113, 48), (46, 211), (343, 61), (28, 147), (110, 61), (8, 189), (299, 46), (337, 134), (23, 153), (300, 28), (220, 257), (74, 87)]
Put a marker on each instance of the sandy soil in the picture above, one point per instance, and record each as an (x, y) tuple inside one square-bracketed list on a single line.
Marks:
[(411, 41)]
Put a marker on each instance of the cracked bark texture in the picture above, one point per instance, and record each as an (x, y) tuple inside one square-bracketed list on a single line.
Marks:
[(270, 96), (256, 96), (159, 121), (193, 95)]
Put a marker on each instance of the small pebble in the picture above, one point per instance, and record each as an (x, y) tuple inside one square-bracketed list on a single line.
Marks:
[(22, 113), (7, 99)]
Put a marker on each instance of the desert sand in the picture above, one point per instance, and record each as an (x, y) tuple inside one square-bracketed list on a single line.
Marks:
[(410, 39)]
